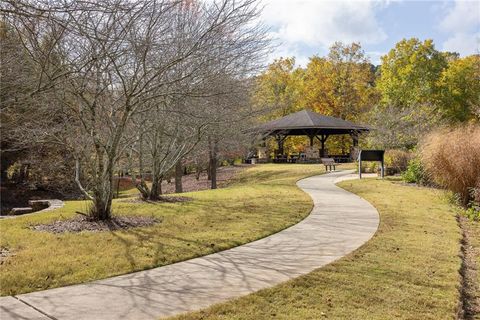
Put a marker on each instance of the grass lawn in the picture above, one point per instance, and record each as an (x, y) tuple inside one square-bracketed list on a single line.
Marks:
[(262, 200), (408, 270)]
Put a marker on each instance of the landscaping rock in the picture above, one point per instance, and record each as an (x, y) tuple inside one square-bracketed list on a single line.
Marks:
[(18, 211), (38, 205)]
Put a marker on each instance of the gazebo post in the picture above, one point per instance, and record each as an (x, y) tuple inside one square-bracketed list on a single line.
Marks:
[(322, 150), (354, 136), (323, 138), (280, 141)]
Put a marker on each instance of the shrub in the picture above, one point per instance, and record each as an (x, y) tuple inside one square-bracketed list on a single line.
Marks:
[(473, 213), (397, 159), (452, 160), (473, 210), (369, 166), (415, 173)]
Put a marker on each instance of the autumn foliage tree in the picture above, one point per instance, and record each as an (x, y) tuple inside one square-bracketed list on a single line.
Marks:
[(422, 88), (410, 73), (278, 88), (459, 95), (341, 84)]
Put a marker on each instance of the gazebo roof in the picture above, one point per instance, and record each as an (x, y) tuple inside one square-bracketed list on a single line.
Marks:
[(307, 122)]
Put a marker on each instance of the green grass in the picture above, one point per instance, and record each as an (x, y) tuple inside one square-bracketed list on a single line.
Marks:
[(262, 200), (408, 270)]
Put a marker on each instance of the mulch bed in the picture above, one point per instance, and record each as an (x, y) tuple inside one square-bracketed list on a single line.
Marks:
[(190, 183), (162, 199), (82, 223)]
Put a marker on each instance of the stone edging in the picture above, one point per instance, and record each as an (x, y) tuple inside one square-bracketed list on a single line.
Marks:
[(52, 205)]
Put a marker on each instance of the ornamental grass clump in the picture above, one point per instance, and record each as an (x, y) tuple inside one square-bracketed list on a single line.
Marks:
[(451, 158)]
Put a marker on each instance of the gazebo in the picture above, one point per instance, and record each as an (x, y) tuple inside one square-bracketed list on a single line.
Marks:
[(310, 124)]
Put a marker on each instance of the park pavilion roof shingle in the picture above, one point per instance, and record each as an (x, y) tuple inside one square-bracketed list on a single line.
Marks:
[(309, 122)]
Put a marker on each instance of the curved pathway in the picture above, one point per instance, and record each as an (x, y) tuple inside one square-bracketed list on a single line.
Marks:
[(339, 223), (52, 205)]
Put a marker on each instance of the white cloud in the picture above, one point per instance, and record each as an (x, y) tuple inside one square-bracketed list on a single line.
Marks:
[(375, 56), (283, 51), (463, 43), (462, 23), (464, 17), (316, 24)]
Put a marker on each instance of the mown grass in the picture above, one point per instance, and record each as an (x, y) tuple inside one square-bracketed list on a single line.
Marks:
[(262, 200), (408, 270)]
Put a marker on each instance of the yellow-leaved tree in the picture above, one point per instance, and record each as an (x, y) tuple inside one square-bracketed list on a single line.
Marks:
[(277, 88), (341, 84), (460, 90)]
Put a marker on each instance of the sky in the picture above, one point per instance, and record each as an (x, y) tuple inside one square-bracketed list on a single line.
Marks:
[(303, 28)]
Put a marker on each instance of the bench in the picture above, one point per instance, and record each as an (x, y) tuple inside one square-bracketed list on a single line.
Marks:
[(329, 163)]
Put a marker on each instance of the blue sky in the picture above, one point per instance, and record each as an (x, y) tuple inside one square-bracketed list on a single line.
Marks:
[(303, 28)]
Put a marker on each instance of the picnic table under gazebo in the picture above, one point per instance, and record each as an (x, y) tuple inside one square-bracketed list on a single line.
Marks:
[(314, 126)]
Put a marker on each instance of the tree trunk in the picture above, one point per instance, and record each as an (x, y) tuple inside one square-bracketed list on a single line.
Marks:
[(23, 174), (104, 189), (198, 172), (178, 177), (102, 196), (213, 165), (102, 205), (102, 208), (209, 170), (155, 190)]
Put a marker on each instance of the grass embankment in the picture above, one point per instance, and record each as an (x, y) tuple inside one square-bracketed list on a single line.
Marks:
[(262, 200), (408, 270), (472, 231), (475, 242)]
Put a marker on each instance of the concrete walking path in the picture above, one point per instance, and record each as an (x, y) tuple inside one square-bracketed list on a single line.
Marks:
[(339, 223)]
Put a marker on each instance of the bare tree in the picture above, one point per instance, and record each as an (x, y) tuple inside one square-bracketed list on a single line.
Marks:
[(234, 50), (105, 61), (164, 137), (231, 116)]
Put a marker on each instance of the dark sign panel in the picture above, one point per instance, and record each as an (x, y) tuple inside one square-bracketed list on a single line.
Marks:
[(371, 155)]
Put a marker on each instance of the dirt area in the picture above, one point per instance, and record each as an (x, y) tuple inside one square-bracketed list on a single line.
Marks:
[(190, 183), (470, 288), (83, 223)]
